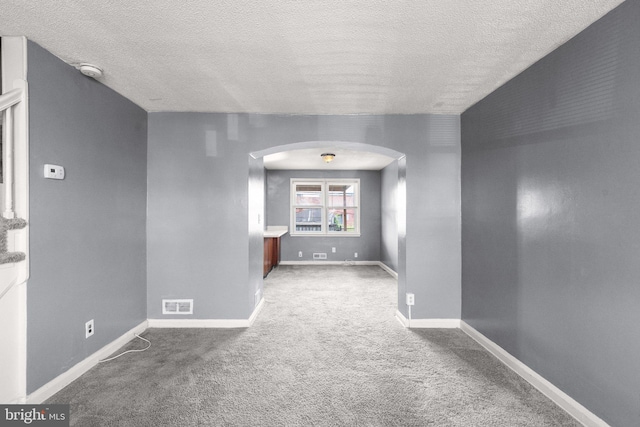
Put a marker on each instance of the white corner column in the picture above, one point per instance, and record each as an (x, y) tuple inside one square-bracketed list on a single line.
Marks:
[(13, 276)]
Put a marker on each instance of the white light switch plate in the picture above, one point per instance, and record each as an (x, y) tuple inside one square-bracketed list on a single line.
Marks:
[(53, 172)]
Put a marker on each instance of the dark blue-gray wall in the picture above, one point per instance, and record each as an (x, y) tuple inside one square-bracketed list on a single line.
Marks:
[(88, 255), (550, 224), (278, 199), (200, 237)]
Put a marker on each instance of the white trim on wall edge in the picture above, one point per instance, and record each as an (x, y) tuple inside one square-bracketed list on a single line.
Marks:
[(207, 323), (388, 269), (66, 378), (347, 262), (560, 398), (256, 311), (435, 323), (403, 320), (199, 323), (427, 323)]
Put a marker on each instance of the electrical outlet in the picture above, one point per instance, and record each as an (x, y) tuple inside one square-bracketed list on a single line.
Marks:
[(88, 329), (411, 299), (333, 250), (300, 254), (355, 255)]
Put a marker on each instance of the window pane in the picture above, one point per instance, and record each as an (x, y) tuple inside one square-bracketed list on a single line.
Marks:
[(309, 194), (309, 219), (343, 220), (342, 195)]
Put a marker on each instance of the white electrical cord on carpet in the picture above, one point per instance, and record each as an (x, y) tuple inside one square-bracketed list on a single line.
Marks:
[(129, 351)]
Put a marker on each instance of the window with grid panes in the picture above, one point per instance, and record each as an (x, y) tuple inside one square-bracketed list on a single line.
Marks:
[(325, 207)]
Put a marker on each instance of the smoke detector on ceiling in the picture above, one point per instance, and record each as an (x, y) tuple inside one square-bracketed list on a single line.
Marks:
[(90, 70)]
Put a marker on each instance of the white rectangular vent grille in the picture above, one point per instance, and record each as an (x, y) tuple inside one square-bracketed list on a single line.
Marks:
[(177, 306), (319, 256)]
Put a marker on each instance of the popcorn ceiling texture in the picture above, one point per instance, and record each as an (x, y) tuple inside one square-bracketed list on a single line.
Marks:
[(303, 57)]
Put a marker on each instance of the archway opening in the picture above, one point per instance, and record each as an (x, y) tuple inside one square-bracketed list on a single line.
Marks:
[(392, 256)]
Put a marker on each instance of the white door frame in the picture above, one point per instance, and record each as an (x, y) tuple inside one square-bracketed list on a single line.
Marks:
[(13, 276)]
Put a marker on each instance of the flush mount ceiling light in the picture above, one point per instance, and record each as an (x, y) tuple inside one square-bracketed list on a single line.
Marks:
[(327, 157), (90, 70)]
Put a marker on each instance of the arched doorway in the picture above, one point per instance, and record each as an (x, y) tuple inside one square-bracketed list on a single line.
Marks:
[(395, 230)]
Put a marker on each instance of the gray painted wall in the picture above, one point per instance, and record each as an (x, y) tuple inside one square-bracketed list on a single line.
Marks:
[(87, 231), (550, 216), (389, 216), (197, 220), (198, 201), (367, 245)]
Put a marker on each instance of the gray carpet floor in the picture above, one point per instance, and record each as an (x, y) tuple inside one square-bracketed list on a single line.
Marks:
[(326, 350)]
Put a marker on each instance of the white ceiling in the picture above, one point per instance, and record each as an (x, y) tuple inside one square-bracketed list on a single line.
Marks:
[(302, 57), (309, 159)]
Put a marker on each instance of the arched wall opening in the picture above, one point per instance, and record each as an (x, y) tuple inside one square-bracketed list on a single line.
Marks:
[(396, 192)]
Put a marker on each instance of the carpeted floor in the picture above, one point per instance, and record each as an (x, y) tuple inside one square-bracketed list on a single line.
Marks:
[(326, 350)]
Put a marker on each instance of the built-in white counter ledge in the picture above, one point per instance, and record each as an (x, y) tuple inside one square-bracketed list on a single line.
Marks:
[(276, 231)]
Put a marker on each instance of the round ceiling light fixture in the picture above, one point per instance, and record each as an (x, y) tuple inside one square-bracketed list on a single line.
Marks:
[(90, 70), (327, 157)]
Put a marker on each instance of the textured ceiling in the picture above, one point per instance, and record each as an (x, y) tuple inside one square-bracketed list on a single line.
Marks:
[(310, 159), (302, 57)]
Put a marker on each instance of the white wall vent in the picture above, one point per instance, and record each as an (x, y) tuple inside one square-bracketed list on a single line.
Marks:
[(177, 306), (319, 256)]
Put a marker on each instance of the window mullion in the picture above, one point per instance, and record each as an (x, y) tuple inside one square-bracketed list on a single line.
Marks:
[(324, 187)]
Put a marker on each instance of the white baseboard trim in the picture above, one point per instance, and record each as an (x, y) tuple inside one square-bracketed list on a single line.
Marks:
[(349, 262), (256, 311), (560, 398), (435, 323), (388, 269), (208, 323), (66, 378), (427, 323), (403, 320), (199, 323)]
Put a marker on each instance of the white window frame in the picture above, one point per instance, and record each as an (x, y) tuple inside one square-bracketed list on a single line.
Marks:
[(324, 207)]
